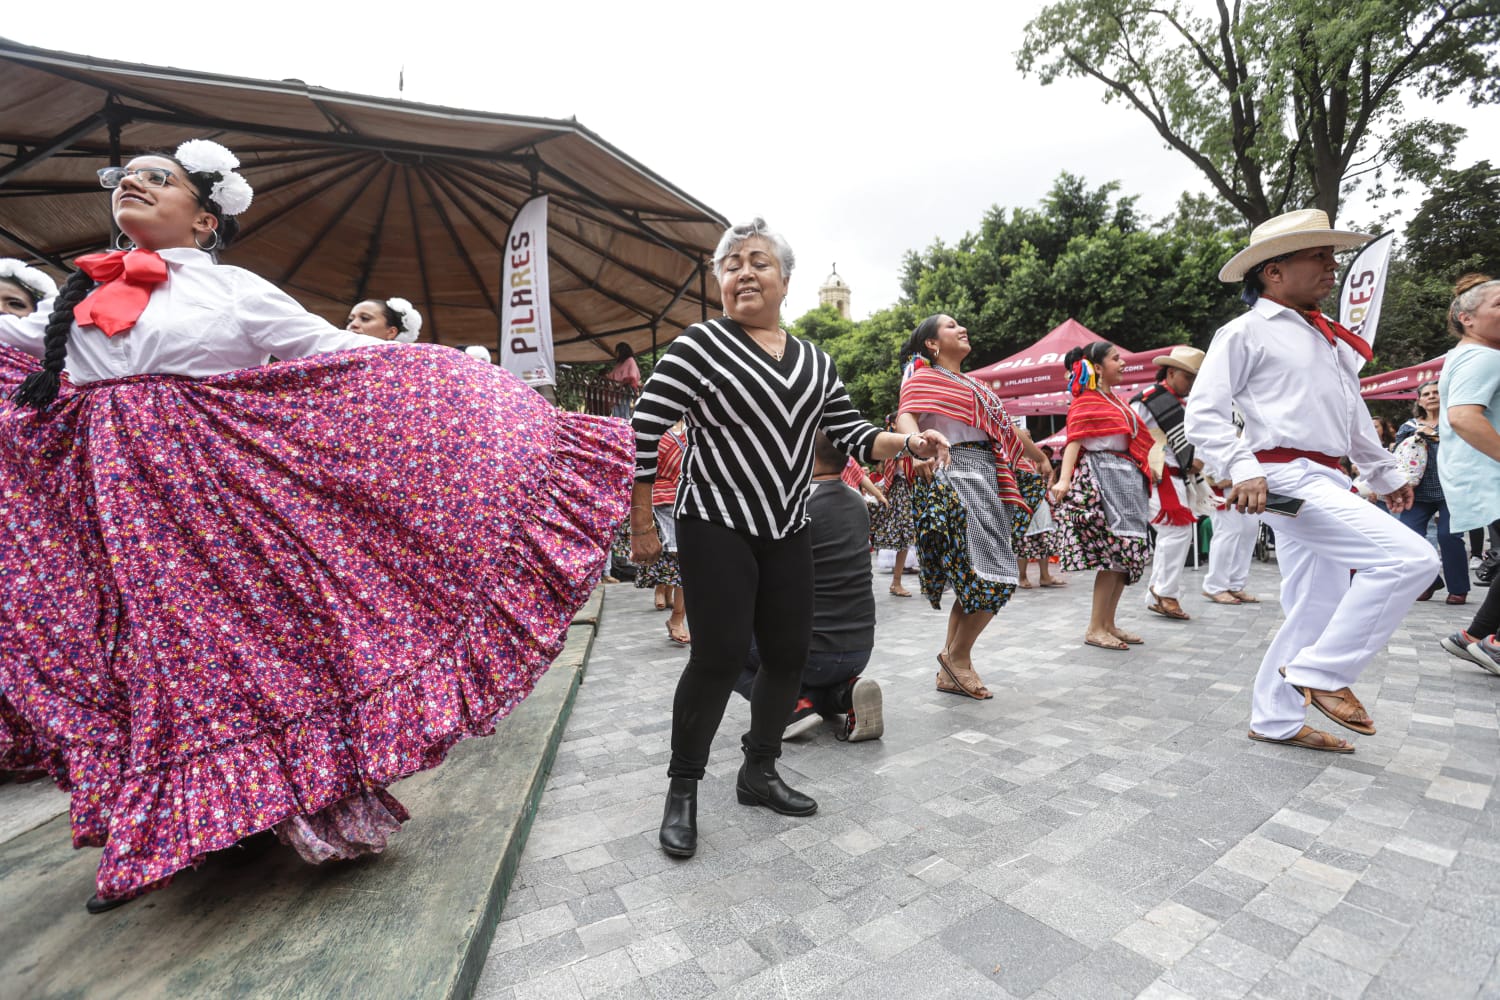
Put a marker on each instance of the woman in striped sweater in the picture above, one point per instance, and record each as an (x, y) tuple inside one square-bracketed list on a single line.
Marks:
[(752, 397)]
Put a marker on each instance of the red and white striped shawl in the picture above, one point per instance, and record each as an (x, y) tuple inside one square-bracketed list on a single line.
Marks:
[(936, 390), (668, 468)]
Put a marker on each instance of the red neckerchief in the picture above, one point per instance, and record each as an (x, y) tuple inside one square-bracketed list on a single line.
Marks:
[(127, 278), (1331, 331)]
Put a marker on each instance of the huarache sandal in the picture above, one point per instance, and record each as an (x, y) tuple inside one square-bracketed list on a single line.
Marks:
[(1025, 584), (952, 680), (1243, 596), (1222, 597), (1110, 643), (899, 591), (1309, 738), (1126, 637), (1167, 607), (1340, 706), (661, 599), (1054, 582), (678, 634)]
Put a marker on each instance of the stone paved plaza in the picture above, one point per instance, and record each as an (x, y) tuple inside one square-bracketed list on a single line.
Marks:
[(1101, 829)]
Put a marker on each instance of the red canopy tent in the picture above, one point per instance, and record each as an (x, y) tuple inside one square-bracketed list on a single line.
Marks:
[(1033, 381), (1401, 383)]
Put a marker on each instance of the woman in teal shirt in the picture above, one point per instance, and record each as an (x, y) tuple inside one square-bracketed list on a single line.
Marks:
[(1469, 461)]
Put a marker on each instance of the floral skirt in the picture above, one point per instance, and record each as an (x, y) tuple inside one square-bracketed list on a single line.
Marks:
[(1032, 543), (254, 600), (1083, 537), (892, 524), (943, 522)]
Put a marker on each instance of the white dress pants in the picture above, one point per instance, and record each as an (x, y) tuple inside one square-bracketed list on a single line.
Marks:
[(1230, 551), (1334, 624), (1173, 543)]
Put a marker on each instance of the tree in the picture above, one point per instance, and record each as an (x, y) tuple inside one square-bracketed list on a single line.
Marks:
[(1457, 228), (1280, 103)]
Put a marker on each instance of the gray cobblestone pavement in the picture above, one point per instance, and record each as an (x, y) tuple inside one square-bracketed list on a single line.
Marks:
[(1101, 829)]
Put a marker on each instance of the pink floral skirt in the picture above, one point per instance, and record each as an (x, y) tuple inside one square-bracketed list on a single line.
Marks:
[(256, 599)]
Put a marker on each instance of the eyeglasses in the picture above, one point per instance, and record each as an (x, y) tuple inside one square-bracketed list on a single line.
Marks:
[(156, 177)]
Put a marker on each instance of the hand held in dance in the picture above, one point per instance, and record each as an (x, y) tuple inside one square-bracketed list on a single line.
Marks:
[(1400, 500), (1249, 496), (931, 444), (879, 495)]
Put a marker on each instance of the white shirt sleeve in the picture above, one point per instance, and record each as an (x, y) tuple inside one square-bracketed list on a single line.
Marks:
[(26, 333), (277, 324), (1376, 465), (1210, 409)]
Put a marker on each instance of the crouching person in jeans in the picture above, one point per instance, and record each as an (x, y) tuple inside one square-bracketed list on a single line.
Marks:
[(843, 632)]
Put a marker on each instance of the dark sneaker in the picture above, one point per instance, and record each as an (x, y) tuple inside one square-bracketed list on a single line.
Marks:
[(804, 719), (1486, 653), (866, 720), (1458, 644)]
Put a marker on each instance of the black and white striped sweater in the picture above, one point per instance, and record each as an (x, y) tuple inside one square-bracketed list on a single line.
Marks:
[(750, 426)]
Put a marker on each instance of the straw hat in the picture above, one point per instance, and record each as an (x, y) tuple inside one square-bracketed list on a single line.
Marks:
[(1187, 358), (1300, 230)]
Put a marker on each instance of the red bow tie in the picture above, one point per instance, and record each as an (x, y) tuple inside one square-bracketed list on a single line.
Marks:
[(1334, 332), (127, 278)]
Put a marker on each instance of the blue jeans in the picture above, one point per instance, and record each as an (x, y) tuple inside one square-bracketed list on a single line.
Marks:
[(1455, 576), (825, 678)]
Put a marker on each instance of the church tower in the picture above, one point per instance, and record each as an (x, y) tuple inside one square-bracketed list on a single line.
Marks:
[(835, 293)]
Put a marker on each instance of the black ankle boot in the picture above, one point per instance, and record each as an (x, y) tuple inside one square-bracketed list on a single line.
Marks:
[(679, 823), (760, 785)]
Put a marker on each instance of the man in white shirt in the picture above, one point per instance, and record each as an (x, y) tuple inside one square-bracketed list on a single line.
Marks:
[(1232, 548), (1294, 374), (1160, 407)]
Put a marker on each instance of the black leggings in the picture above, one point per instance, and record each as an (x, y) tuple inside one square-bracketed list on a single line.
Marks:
[(1487, 618), (737, 585)]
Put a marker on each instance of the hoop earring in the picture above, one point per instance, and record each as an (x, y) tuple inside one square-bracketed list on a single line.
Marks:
[(212, 246), (122, 242)]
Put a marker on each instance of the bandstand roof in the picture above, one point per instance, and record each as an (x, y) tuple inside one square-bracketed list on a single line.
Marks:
[(359, 197)]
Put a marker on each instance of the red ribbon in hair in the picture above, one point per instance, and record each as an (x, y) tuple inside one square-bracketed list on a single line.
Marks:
[(127, 280)]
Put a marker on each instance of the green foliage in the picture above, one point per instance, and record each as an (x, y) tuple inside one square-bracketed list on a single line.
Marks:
[(1457, 228), (1084, 252), (1281, 103)]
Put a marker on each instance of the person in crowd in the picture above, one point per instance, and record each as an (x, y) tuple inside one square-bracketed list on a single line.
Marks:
[(23, 288), (891, 523), (752, 395), (1160, 408), (1469, 426), (664, 573), (857, 479), (1385, 430), (627, 375), (965, 517), (272, 593), (1294, 375), (386, 319), (1036, 543), (1428, 500), (1102, 495), (843, 628)]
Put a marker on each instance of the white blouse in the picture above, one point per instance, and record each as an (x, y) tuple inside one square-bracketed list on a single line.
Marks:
[(205, 319)]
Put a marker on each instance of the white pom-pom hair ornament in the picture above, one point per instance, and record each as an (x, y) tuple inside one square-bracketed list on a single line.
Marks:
[(230, 191), (36, 283), (411, 320)]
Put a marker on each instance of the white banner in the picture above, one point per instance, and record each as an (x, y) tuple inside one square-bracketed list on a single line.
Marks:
[(1363, 286), (526, 305)]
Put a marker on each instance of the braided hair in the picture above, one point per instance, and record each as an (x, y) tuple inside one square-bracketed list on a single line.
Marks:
[(40, 388)]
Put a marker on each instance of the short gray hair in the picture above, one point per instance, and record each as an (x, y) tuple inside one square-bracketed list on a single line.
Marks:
[(735, 236)]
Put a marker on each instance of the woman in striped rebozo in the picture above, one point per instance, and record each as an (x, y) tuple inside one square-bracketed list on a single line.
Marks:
[(969, 515), (752, 397)]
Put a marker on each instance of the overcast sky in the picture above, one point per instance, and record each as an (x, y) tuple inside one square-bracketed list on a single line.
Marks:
[(859, 131)]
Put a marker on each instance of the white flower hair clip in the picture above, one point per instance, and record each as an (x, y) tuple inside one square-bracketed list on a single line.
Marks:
[(411, 320), (36, 283), (230, 191)]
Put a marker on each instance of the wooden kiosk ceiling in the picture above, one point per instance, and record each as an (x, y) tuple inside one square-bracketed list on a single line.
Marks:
[(359, 197)]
